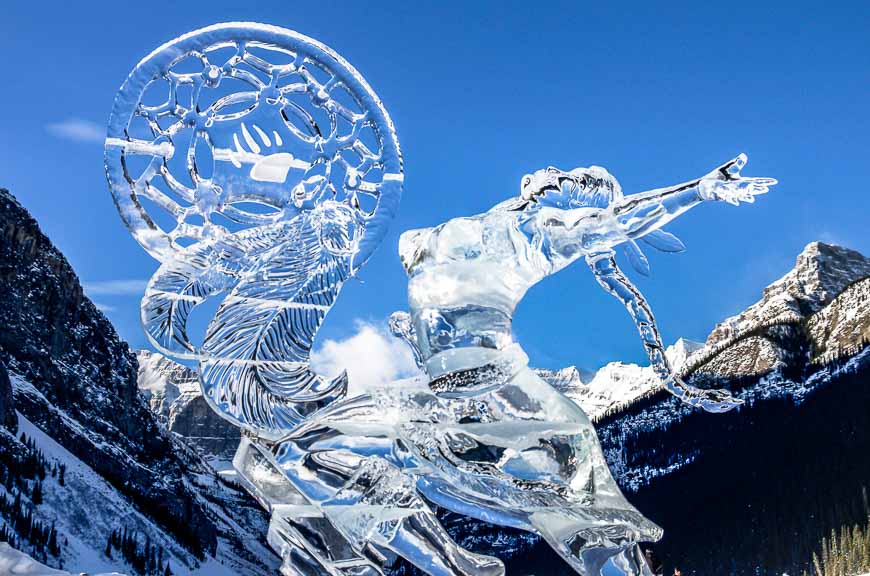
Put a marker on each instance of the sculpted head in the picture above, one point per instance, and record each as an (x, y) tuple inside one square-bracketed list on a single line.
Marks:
[(592, 187)]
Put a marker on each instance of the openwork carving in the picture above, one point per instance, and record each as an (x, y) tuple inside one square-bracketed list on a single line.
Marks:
[(254, 162)]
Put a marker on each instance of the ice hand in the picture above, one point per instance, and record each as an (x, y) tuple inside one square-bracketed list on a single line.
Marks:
[(716, 401), (725, 183)]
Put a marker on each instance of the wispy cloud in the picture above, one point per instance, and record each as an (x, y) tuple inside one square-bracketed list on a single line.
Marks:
[(104, 307), (115, 287), (78, 130), (836, 238), (372, 357)]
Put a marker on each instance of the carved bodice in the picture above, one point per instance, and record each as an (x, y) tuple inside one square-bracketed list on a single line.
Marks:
[(466, 277)]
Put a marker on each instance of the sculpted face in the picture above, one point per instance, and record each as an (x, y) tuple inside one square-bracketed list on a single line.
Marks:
[(591, 187)]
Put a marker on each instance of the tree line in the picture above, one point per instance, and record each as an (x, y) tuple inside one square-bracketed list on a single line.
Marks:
[(845, 553), (146, 559), (22, 474)]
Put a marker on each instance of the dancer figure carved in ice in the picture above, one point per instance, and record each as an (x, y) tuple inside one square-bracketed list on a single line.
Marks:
[(468, 275), (288, 175), (483, 435)]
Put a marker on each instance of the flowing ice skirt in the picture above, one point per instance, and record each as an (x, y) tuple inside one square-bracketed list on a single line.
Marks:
[(498, 444)]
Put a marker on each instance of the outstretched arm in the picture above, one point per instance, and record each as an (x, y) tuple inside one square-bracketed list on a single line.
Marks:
[(641, 213), (570, 233), (611, 278)]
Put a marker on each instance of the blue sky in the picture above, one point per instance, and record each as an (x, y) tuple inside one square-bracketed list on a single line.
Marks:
[(482, 93)]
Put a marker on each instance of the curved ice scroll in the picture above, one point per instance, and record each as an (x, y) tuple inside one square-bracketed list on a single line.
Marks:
[(254, 162)]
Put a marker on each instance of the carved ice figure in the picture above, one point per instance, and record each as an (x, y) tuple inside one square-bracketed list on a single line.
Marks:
[(468, 275), (266, 171)]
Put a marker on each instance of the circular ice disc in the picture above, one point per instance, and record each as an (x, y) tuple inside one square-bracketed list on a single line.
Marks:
[(240, 125)]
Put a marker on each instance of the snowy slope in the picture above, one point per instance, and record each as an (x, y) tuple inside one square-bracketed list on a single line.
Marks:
[(16, 563), (87, 508), (617, 384)]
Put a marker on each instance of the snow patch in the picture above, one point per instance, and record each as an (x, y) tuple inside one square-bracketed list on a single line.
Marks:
[(617, 384), (16, 563)]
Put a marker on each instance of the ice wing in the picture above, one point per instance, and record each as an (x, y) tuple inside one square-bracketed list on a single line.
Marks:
[(255, 359), (176, 288)]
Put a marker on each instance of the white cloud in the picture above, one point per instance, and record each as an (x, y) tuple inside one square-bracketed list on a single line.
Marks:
[(115, 288), (104, 307), (372, 357), (78, 130)]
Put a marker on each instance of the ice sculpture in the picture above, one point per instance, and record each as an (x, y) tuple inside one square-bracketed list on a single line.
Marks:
[(257, 165)]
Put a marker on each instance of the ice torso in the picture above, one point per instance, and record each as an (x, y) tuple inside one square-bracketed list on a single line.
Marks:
[(466, 278), (496, 421)]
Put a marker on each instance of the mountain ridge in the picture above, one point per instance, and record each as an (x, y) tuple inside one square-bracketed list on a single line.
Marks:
[(74, 380)]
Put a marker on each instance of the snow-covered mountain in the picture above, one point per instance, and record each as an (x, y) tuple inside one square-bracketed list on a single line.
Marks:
[(773, 331), (823, 294), (822, 271), (173, 392), (778, 347), (766, 481), (162, 381), (90, 479), (617, 384)]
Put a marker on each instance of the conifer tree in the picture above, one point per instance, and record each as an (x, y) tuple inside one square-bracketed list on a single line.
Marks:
[(52, 542), (36, 495)]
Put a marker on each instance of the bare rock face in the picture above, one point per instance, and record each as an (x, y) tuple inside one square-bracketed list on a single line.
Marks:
[(747, 357), (843, 326), (7, 402), (173, 392), (192, 418)]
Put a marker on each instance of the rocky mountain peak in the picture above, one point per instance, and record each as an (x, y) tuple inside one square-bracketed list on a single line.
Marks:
[(564, 380), (678, 352), (821, 272), (162, 381)]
